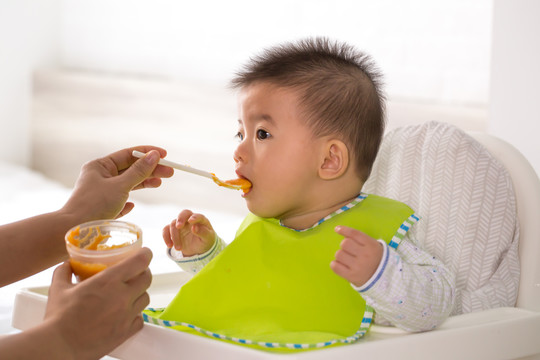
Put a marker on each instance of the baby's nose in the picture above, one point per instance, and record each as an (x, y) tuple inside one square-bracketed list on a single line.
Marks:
[(238, 154)]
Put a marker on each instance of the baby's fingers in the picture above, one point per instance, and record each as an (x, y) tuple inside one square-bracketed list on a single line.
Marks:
[(183, 218), (166, 233), (348, 232), (201, 227), (356, 235), (345, 258), (340, 268), (204, 232), (176, 237), (199, 219), (352, 247)]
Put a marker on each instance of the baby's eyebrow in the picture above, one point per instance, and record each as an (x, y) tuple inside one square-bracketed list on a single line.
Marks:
[(262, 117), (267, 117)]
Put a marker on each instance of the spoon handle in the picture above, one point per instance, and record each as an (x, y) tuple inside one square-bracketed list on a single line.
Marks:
[(177, 166)]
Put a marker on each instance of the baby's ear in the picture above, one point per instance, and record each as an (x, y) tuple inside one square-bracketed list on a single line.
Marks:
[(335, 160)]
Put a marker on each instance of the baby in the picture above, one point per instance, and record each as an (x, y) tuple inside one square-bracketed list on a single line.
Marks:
[(316, 258)]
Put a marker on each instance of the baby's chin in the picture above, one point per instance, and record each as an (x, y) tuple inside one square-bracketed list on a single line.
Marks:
[(261, 212)]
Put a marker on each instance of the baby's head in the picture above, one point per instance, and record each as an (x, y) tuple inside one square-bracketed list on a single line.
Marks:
[(338, 89), (310, 123)]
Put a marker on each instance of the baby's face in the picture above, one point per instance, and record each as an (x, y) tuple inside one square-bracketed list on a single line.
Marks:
[(277, 152)]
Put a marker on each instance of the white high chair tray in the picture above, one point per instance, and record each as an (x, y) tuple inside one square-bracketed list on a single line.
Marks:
[(503, 333)]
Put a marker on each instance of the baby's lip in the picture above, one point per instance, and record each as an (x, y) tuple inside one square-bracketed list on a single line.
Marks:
[(239, 174)]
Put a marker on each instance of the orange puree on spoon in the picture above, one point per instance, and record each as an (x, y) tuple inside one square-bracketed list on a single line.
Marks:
[(238, 184)]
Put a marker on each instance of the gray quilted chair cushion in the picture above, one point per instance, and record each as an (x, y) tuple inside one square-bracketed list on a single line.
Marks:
[(466, 200)]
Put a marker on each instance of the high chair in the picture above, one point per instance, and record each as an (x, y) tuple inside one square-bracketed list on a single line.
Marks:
[(467, 188)]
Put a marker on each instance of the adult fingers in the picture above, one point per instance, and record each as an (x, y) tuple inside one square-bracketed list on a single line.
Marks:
[(128, 206), (132, 266), (62, 276), (132, 328), (135, 326), (140, 282), (160, 171), (141, 302), (149, 183), (140, 170), (124, 158)]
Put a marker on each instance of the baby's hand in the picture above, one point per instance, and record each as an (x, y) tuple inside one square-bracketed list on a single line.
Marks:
[(359, 256), (190, 233)]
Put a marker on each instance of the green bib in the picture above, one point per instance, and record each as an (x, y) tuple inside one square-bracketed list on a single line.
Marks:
[(273, 286)]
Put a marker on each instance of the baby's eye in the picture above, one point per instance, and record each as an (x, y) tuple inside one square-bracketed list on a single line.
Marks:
[(239, 136), (262, 134)]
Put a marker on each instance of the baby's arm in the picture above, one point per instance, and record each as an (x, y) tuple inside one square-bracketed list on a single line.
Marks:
[(409, 288), (191, 241)]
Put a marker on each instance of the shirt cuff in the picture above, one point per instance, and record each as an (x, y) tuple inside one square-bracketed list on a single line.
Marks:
[(378, 273), (178, 257)]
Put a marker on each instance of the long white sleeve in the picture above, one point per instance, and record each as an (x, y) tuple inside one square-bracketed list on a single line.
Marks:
[(411, 289)]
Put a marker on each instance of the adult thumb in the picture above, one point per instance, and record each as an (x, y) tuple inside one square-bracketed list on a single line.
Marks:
[(62, 276), (141, 169)]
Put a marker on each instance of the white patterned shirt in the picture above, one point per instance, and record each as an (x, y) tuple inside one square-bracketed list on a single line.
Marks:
[(410, 288)]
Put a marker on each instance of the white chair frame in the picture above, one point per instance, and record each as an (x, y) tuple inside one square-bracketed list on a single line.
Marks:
[(501, 333)]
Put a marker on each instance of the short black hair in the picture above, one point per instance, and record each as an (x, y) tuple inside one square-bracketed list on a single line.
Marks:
[(339, 88)]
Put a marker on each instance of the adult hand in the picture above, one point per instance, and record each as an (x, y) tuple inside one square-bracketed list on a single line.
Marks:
[(103, 186), (31, 245), (92, 318)]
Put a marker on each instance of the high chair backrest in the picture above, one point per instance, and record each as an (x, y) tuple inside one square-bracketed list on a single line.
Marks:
[(527, 190), (467, 202)]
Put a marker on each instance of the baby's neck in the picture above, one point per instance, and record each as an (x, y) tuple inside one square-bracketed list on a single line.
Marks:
[(309, 218)]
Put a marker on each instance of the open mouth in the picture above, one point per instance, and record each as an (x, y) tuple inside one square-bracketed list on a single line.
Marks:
[(245, 192), (244, 180)]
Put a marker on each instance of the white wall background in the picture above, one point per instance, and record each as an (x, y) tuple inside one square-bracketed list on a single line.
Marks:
[(29, 38), (515, 76), (435, 52)]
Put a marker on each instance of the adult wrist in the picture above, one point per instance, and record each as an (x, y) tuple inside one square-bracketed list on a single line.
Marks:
[(45, 341)]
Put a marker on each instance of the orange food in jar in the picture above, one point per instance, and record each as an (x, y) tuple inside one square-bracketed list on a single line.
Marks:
[(85, 270), (105, 247), (71, 237), (93, 245), (92, 240)]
